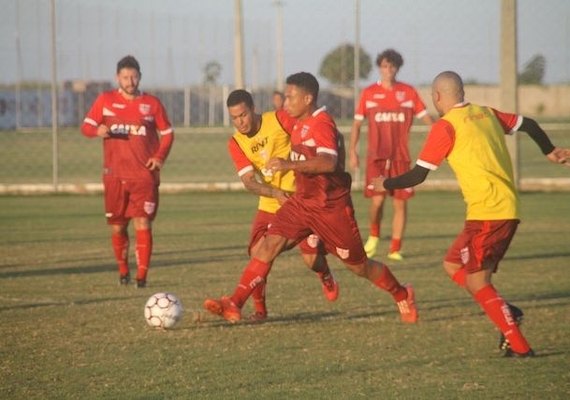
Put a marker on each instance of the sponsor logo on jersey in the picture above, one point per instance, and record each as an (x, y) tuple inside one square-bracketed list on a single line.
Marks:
[(144, 108), (149, 207), (118, 105), (126, 129), (390, 117), (464, 254), (407, 104), (378, 96), (259, 145), (371, 104)]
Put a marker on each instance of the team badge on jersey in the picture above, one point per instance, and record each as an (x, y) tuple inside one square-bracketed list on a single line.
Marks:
[(144, 108), (149, 207), (400, 95), (304, 131), (342, 253)]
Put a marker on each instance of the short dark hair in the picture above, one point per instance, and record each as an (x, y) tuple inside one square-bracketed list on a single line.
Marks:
[(305, 81), (392, 56), (239, 96), (128, 62)]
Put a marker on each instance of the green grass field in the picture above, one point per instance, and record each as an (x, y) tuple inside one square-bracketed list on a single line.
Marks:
[(69, 331)]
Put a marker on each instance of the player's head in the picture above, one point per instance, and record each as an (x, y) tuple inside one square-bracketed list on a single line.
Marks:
[(446, 91), (278, 100), (128, 75), (301, 94), (242, 112), (389, 62)]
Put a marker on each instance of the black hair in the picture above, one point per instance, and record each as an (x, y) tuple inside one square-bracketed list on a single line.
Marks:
[(239, 96), (305, 81), (392, 56), (128, 62)]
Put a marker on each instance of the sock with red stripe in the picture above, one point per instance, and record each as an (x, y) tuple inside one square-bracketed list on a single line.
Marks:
[(120, 244), (253, 275), (389, 283), (374, 230), (143, 252), (460, 276), (500, 314), (395, 245)]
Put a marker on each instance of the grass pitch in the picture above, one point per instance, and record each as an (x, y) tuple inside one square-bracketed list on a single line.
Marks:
[(69, 331)]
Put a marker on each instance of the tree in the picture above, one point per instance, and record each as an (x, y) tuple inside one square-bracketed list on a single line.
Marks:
[(533, 71), (212, 72), (338, 65)]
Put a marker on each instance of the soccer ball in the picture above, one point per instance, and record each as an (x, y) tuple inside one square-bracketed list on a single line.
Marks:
[(163, 310)]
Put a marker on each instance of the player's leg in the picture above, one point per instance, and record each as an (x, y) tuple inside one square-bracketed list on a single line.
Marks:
[(472, 260), (115, 205), (314, 256), (398, 226), (339, 231), (375, 215), (142, 208)]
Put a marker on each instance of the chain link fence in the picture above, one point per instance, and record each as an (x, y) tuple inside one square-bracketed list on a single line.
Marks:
[(178, 41)]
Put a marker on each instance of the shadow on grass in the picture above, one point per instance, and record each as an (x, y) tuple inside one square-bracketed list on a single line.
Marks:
[(65, 303)]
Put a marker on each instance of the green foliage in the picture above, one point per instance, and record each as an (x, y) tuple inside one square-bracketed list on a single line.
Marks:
[(533, 72), (338, 65), (69, 331)]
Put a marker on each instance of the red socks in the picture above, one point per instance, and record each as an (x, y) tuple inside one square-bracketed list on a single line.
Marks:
[(500, 314), (143, 252), (395, 245), (253, 275), (374, 230), (120, 244), (389, 283)]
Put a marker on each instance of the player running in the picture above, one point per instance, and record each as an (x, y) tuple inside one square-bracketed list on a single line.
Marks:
[(321, 204), (258, 138), (472, 139)]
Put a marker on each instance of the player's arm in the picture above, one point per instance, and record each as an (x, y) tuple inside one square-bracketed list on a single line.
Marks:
[(253, 185), (539, 136), (353, 145), (413, 177), (322, 163), (92, 125), (166, 133)]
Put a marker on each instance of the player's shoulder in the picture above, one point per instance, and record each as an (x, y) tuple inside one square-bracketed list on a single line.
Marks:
[(149, 97), (322, 116), (398, 85)]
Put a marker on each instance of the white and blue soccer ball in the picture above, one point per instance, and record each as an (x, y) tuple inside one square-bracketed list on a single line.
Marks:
[(163, 310)]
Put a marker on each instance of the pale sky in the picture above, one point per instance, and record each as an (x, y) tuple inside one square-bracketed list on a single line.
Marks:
[(174, 39)]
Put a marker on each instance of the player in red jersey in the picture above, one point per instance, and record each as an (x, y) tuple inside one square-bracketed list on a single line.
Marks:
[(472, 139), (390, 107), (321, 204), (137, 137), (259, 137)]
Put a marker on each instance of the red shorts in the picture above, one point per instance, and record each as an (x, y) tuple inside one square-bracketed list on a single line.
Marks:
[(482, 244), (388, 169), (335, 226), (129, 199), (260, 225)]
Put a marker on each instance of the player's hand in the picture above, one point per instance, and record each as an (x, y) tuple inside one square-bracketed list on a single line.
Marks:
[(560, 156), (154, 164), (377, 184), (103, 131), (277, 164)]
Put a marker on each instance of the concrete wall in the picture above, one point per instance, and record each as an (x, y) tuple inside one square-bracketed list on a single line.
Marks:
[(534, 101)]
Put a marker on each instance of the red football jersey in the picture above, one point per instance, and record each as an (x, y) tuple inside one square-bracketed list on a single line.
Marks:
[(390, 114), (311, 136), (135, 126)]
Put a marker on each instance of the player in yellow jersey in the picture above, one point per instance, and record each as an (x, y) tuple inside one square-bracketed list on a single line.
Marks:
[(472, 139), (258, 138)]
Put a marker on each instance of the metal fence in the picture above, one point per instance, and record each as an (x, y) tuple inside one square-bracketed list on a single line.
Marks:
[(176, 41)]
